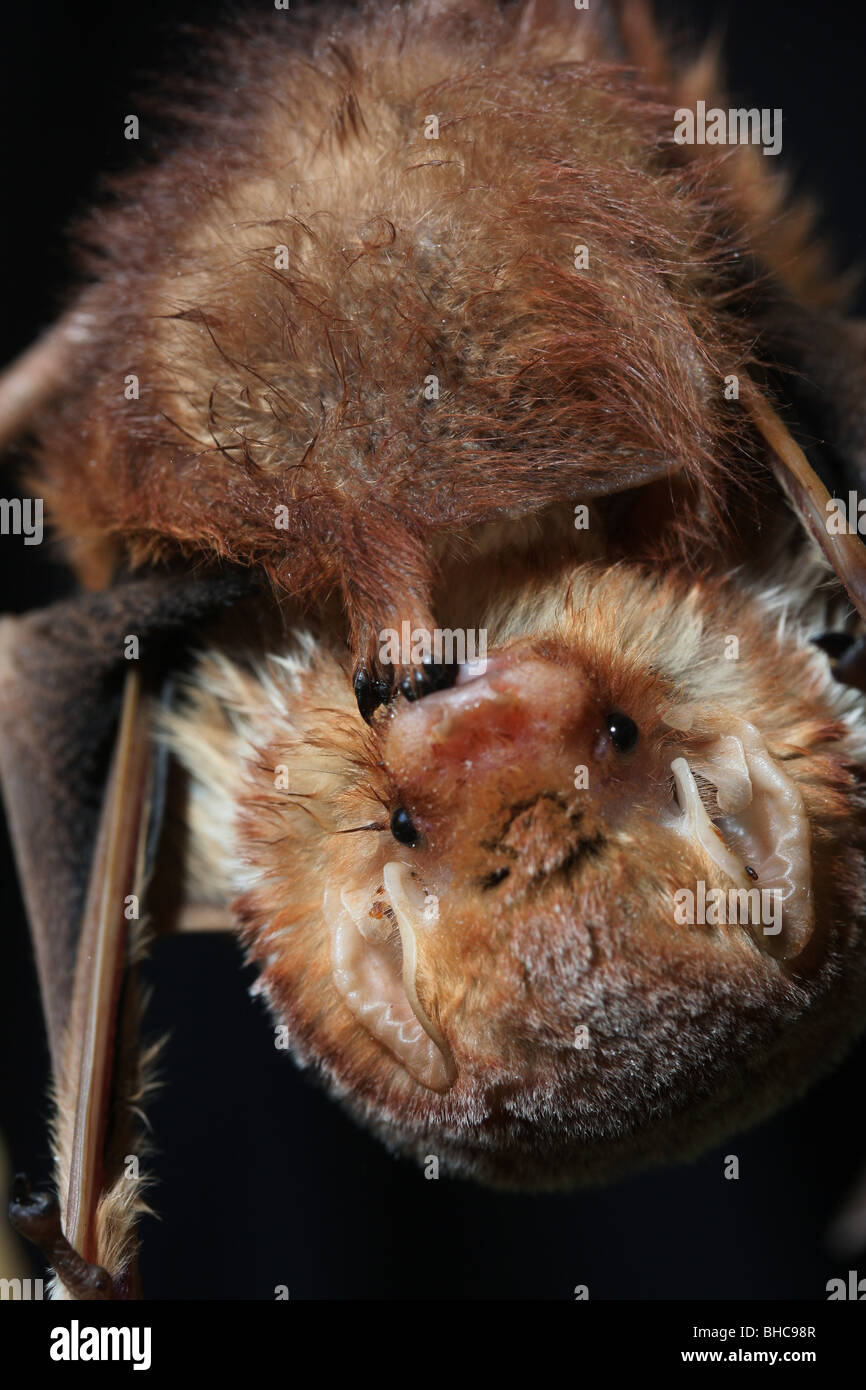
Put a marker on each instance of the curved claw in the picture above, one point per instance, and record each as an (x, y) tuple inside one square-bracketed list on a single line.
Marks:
[(431, 676), (371, 692)]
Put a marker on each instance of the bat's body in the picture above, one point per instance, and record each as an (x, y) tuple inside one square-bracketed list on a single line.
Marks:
[(430, 321), (350, 340)]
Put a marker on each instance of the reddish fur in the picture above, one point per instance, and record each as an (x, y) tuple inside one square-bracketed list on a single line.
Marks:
[(261, 387)]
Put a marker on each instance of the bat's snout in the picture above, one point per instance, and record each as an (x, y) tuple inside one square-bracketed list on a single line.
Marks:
[(487, 778), (487, 721)]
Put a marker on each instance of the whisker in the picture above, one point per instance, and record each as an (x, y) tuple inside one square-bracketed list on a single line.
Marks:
[(353, 829)]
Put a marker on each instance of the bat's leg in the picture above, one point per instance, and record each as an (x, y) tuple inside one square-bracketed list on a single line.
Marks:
[(36, 1216), (379, 679), (392, 628)]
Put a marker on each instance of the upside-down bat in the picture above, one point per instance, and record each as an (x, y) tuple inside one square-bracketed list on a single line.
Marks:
[(426, 327)]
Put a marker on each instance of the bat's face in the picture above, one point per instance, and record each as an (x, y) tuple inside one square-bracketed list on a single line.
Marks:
[(584, 908)]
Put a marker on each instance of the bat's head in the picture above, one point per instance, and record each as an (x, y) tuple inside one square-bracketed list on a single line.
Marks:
[(594, 905)]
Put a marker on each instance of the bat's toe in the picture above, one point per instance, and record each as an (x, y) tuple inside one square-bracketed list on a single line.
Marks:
[(375, 686)]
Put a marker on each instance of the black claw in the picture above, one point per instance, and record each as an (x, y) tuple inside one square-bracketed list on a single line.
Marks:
[(439, 675), (409, 688), (431, 676), (371, 693), (365, 694), (383, 689)]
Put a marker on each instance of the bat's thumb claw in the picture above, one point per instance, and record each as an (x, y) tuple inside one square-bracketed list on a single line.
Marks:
[(36, 1216)]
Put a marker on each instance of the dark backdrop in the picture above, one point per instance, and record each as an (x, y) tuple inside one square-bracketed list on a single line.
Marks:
[(262, 1180)]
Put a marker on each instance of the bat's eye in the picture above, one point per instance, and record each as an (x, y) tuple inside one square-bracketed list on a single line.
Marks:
[(622, 732), (403, 828)]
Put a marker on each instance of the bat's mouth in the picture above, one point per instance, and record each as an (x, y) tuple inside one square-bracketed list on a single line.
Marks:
[(374, 958), (760, 838)]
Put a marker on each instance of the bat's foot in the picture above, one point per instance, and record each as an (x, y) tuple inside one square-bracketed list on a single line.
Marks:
[(395, 654), (376, 688), (424, 679), (36, 1216)]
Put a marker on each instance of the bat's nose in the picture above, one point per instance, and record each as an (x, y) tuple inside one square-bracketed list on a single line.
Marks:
[(481, 705)]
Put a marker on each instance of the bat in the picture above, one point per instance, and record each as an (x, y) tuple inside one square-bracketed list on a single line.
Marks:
[(459, 458)]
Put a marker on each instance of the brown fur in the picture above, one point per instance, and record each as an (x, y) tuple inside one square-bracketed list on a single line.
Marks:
[(264, 386), (304, 387)]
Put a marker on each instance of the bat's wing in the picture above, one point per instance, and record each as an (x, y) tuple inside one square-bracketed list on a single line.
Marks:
[(811, 500), (817, 441), (828, 400), (82, 785)]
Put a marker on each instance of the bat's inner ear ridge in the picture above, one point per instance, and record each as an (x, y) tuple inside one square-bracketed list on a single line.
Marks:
[(759, 837), (375, 929)]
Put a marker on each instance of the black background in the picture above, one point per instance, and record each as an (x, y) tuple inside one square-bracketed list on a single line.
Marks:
[(262, 1180)]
